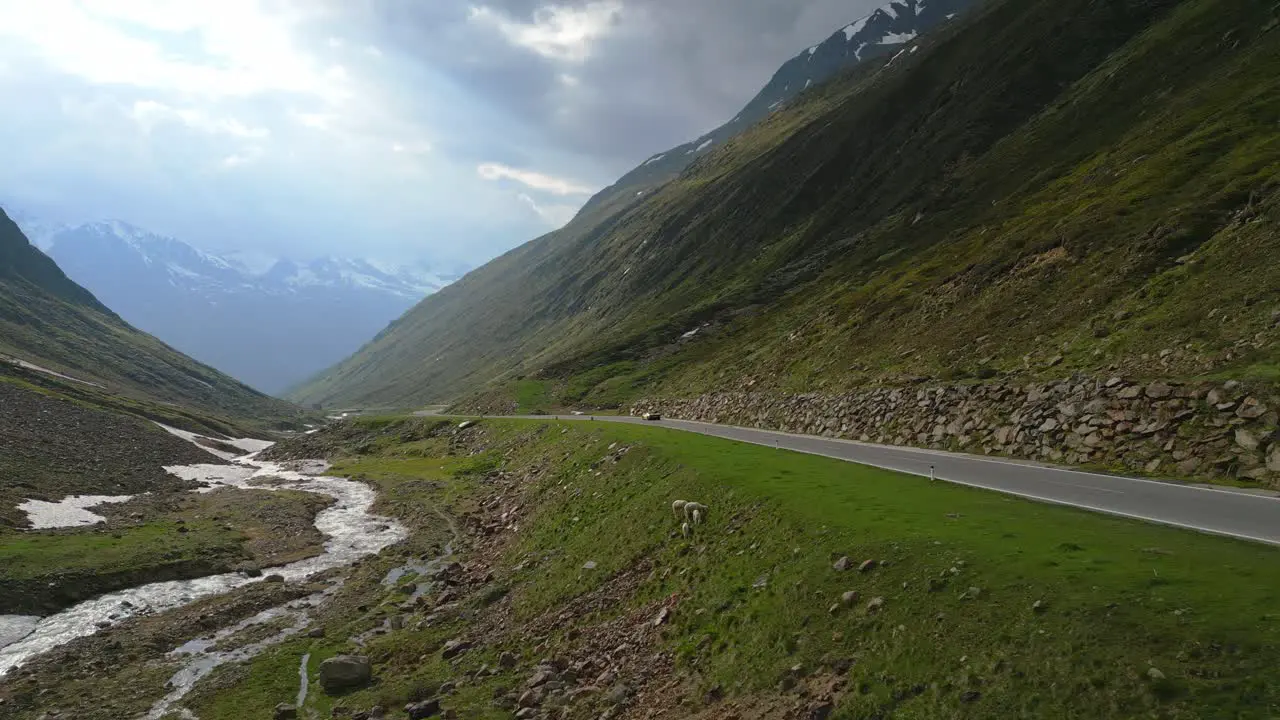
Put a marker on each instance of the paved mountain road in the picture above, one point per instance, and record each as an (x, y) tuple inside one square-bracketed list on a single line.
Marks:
[(1221, 511)]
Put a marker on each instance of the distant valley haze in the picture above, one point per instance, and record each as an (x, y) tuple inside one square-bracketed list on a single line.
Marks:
[(290, 177)]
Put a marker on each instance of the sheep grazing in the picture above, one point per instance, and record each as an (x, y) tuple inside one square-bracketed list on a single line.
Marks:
[(677, 508), (695, 512)]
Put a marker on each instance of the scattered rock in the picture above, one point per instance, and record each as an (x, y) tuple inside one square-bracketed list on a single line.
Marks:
[(422, 710), (285, 711), (663, 615), (876, 604), (1038, 606), (1155, 674), (273, 579), (842, 564), (454, 648), (507, 660), (867, 566), (345, 671), (849, 597), (589, 565), (820, 710), (315, 632)]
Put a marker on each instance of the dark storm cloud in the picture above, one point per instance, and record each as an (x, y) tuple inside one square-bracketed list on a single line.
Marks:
[(663, 72)]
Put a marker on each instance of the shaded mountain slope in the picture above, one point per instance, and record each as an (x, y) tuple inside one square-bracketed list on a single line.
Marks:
[(49, 321), (883, 32), (1072, 185)]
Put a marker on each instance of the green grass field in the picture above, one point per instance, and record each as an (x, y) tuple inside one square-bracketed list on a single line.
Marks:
[(1132, 619)]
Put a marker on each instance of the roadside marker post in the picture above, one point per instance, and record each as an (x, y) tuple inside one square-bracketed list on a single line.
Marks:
[(932, 477)]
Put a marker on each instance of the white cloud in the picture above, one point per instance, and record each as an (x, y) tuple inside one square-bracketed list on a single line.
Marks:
[(532, 179), (372, 51), (557, 216), (413, 148), (238, 159), (150, 113), (559, 32), (234, 48)]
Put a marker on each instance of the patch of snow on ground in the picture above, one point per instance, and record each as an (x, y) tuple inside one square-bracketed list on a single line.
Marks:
[(71, 511), (46, 371), (853, 29), (705, 145), (655, 158), (914, 48), (249, 445), (16, 627), (690, 334), (896, 38), (890, 10), (813, 49)]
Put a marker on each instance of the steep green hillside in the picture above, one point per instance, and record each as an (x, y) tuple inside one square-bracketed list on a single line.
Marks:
[(1072, 184), (49, 321)]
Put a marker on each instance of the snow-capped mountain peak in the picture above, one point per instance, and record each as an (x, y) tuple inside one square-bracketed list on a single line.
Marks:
[(299, 316)]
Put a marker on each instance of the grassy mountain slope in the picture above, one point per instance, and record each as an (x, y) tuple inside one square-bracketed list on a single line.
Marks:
[(1077, 179), (48, 320), (973, 604)]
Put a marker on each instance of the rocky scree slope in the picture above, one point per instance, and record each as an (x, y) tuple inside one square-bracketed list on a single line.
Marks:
[(54, 446), (48, 320), (1034, 189)]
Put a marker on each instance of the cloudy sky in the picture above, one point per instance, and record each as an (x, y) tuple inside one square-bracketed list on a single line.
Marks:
[(436, 130)]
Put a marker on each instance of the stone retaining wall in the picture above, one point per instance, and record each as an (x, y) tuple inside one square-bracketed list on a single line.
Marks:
[(1206, 430)]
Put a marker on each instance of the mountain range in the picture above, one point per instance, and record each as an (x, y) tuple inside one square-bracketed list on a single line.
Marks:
[(1032, 189), (270, 328), (53, 331)]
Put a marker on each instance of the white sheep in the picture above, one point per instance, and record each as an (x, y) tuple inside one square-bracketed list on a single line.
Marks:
[(684, 529), (695, 512), (677, 507)]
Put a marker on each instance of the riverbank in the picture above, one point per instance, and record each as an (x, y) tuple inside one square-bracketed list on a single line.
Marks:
[(814, 587), (154, 538)]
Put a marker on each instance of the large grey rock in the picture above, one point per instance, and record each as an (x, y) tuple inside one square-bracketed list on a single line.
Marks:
[(1246, 439), (422, 710), (344, 672)]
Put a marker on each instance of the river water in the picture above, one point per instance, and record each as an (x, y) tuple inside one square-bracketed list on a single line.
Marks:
[(352, 530)]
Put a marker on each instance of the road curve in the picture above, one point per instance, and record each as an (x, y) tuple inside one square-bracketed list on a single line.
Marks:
[(1221, 511)]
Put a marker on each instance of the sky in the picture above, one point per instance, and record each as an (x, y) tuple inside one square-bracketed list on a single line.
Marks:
[(435, 131)]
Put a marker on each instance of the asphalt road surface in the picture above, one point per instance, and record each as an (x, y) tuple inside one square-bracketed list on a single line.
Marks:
[(1221, 511)]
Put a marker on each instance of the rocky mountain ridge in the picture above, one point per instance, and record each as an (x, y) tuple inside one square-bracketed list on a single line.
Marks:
[(884, 32)]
